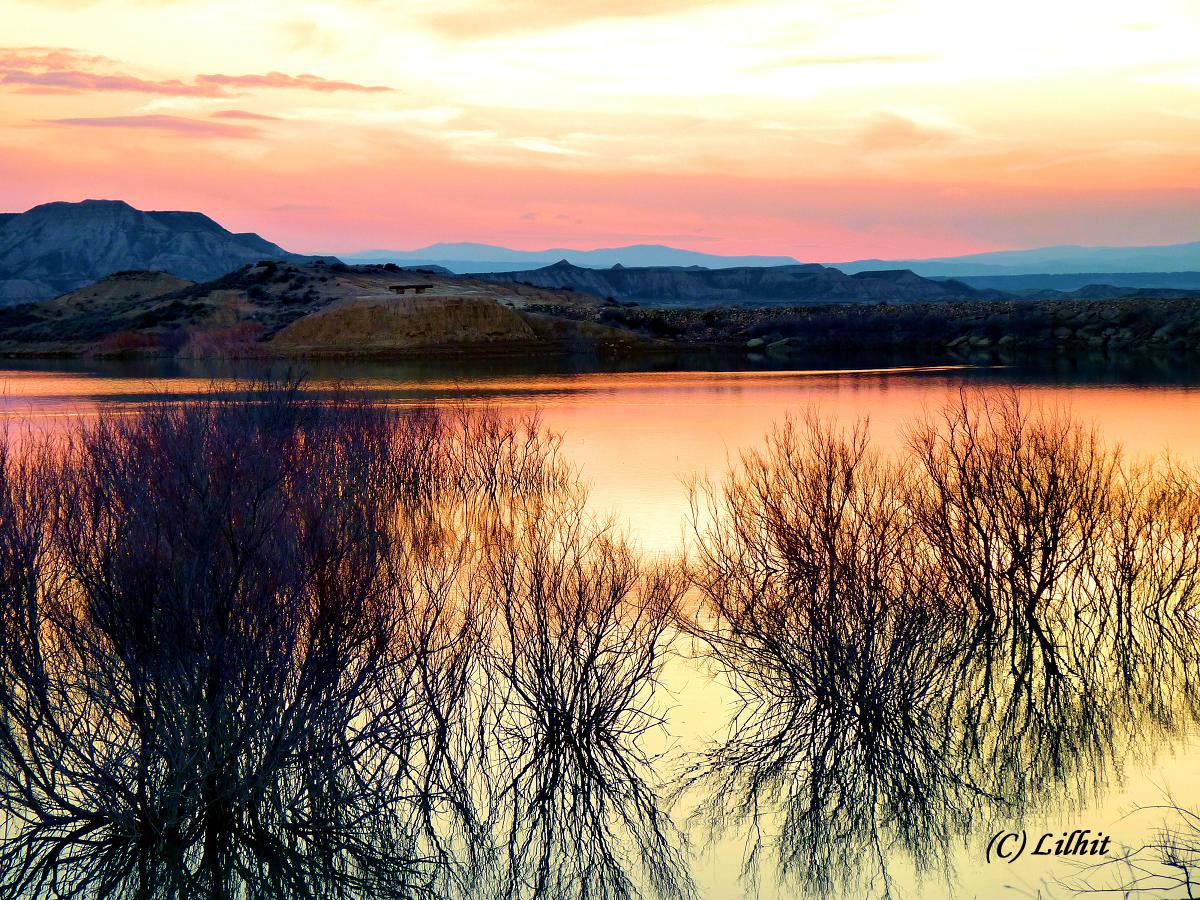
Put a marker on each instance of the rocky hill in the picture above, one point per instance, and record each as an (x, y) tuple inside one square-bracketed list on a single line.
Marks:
[(60, 247), (399, 324), (289, 309), (750, 285)]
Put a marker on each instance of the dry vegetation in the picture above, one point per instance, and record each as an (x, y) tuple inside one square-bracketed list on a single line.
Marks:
[(275, 646)]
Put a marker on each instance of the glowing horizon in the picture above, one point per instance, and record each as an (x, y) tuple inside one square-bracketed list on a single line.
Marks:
[(880, 129)]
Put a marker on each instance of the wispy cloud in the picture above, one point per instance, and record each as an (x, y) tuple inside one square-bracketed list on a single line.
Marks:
[(244, 114), (848, 60), (290, 82), (475, 19), (65, 71), (885, 130), (44, 58), (174, 124), (75, 82)]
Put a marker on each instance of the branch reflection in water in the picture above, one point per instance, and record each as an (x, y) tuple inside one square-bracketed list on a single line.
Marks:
[(995, 619), (268, 644), (281, 647)]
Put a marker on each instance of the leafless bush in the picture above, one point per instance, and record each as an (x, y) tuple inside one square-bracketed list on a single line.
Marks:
[(1166, 866), (580, 635), (1013, 504), (999, 615), (224, 673), (819, 614), (1142, 596), (269, 646), (498, 456)]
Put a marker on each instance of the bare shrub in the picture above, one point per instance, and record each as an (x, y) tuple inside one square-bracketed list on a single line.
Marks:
[(270, 646), (817, 611), (224, 673), (580, 635), (1013, 503), (1003, 614)]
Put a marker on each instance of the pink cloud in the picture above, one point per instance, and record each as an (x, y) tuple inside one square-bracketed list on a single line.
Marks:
[(43, 58), (63, 71), (488, 19), (176, 124), (889, 131), (293, 82), (75, 81)]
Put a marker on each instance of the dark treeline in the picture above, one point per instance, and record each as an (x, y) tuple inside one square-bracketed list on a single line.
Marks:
[(279, 646)]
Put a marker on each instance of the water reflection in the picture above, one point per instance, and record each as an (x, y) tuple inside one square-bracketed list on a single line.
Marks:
[(1000, 618), (295, 646)]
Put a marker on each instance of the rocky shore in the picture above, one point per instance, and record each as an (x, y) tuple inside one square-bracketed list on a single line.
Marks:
[(966, 329)]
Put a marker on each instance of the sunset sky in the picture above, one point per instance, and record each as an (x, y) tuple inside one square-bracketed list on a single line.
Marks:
[(822, 130)]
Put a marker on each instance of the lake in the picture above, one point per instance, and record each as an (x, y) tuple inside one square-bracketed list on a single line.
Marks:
[(638, 436)]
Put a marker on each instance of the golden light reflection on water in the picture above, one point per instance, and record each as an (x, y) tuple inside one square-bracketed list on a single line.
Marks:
[(637, 437)]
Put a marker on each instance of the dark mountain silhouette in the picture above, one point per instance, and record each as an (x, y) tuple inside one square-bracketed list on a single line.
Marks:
[(758, 284), (59, 247)]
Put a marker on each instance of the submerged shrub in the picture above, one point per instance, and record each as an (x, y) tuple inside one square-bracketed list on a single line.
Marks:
[(581, 632), (278, 646), (224, 672), (1005, 610), (817, 613)]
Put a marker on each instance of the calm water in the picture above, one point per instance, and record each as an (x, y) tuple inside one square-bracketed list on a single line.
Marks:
[(638, 436)]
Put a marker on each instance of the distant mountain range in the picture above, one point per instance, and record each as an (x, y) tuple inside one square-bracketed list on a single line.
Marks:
[(1091, 261), (742, 285), (59, 247), (470, 258), (1046, 261)]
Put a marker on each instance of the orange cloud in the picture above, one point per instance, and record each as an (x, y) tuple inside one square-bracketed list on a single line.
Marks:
[(293, 82), (892, 131), (244, 114), (176, 124)]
